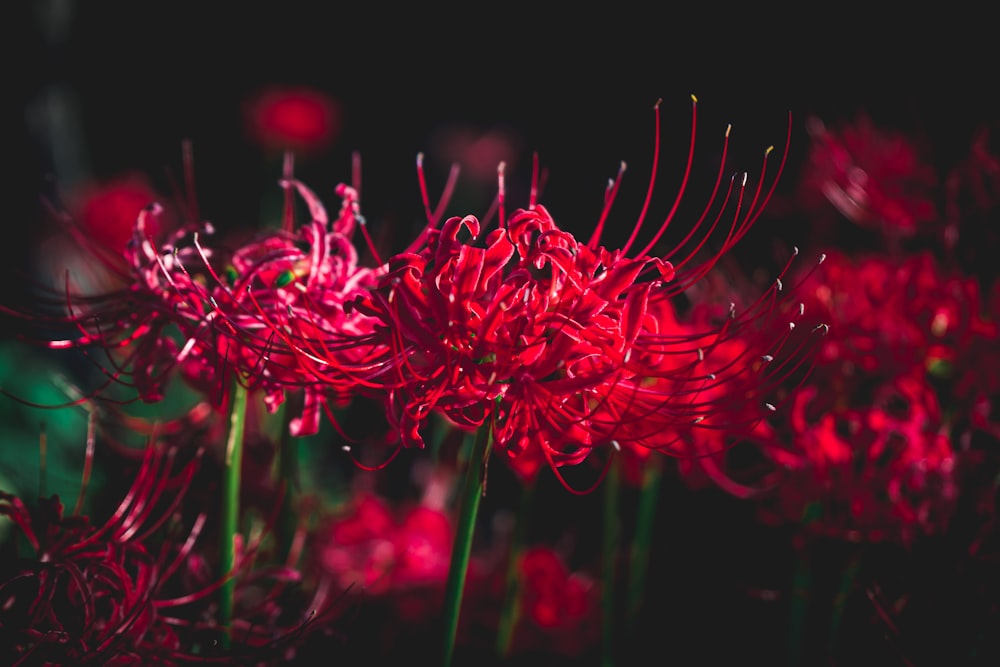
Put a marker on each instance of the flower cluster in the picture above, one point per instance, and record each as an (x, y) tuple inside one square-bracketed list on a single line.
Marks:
[(555, 349), (368, 549), (133, 591), (874, 445), (561, 346)]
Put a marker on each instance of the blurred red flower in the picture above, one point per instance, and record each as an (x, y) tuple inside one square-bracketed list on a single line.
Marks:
[(875, 177), (301, 119), (382, 550)]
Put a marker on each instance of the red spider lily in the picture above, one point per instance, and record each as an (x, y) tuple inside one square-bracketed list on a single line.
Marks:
[(562, 345), (895, 317), (293, 118), (884, 471), (113, 594), (398, 555), (864, 453), (259, 311), (715, 451), (872, 176), (107, 211), (285, 293), (559, 607)]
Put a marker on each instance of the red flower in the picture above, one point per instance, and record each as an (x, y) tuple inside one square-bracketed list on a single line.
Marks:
[(293, 118), (562, 346), (553, 599), (872, 176), (401, 556), (864, 453), (264, 310), (284, 295), (116, 594), (559, 607), (107, 211), (884, 471)]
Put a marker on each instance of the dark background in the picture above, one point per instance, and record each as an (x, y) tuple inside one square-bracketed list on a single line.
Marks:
[(577, 85)]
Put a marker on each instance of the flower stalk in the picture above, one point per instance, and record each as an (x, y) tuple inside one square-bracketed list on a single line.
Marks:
[(510, 611), (473, 488), (798, 605), (649, 496), (609, 571), (231, 505), (846, 586), (288, 467)]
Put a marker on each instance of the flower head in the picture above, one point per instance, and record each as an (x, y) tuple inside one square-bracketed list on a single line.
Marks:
[(864, 452), (563, 345), (293, 118), (885, 471), (259, 312), (398, 555), (874, 177)]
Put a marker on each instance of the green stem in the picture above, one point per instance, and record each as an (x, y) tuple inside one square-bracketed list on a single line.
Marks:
[(288, 478), (43, 448), (798, 606), (649, 496), (510, 612), (231, 505), (609, 569), (844, 590), (473, 487)]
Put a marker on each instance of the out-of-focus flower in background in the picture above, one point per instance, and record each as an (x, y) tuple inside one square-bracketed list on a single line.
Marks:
[(876, 177), (302, 119), (377, 549), (107, 210)]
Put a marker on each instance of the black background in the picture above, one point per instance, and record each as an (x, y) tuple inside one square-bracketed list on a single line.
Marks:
[(578, 85)]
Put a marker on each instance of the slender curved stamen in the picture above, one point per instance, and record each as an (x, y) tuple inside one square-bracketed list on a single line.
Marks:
[(609, 198)]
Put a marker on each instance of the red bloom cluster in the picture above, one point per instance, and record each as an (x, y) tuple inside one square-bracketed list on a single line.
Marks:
[(107, 211), (564, 346), (128, 592), (559, 606), (210, 313), (874, 177), (560, 346), (904, 386), (865, 452), (375, 551)]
